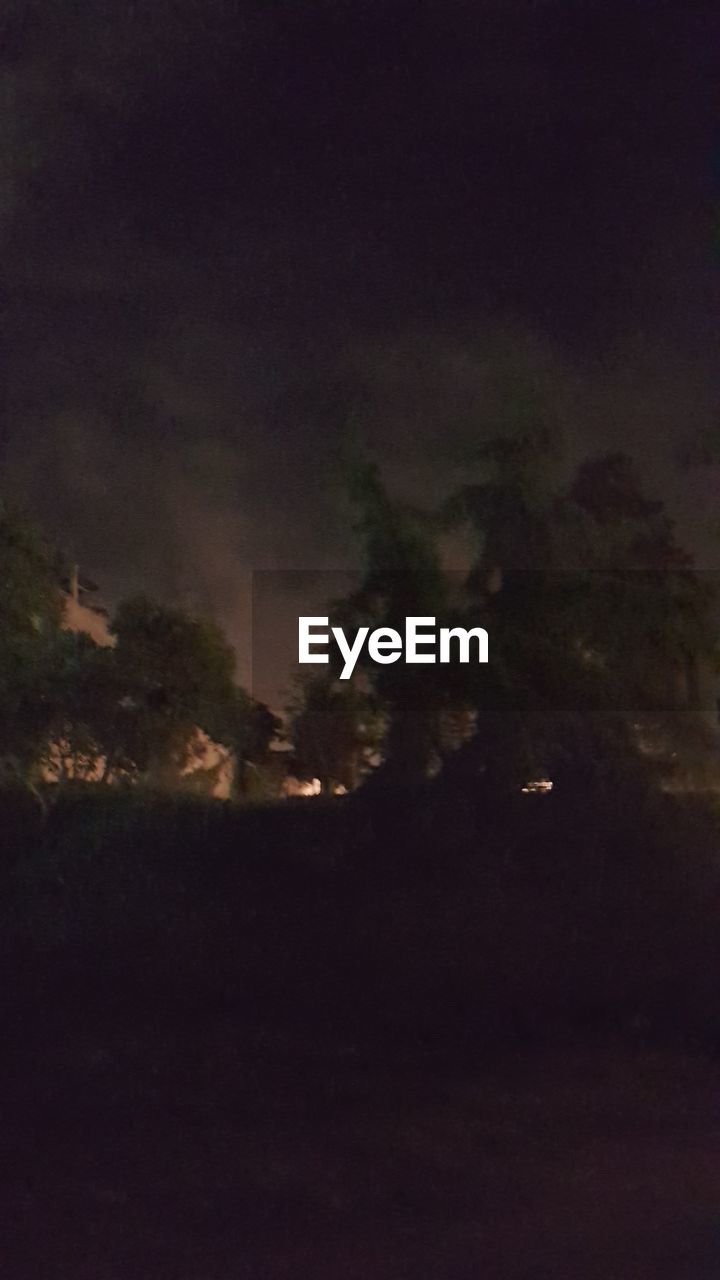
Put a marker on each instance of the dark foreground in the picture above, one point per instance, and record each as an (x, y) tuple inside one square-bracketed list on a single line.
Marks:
[(305, 1045), (202, 1152)]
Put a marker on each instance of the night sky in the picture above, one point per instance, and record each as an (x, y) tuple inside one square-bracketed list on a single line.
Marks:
[(233, 233)]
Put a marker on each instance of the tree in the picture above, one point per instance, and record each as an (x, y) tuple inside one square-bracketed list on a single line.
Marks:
[(508, 508), (332, 728), (176, 676), (646, 611), (249, 730), (402, 576), (592, 606), (30, 614), (144, 708), (71, 709), (82, 740)]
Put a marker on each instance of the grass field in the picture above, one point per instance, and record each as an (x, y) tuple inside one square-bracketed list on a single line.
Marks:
[(207, 1151), (312, 1042)]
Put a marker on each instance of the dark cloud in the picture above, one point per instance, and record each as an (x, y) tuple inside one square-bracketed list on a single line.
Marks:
[(230, 231)]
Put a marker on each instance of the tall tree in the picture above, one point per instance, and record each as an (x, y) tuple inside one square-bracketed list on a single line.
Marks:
[(592, 606), (333, 727), (176, 673), (84, 736), (30, 615), (402, 576), (249, 730)]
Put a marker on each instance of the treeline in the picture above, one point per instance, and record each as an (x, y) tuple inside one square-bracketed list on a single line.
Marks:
[(455, 908), (130, 711), (601, 633)]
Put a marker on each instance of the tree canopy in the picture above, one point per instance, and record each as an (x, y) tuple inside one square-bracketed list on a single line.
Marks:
[(596, 617), (30, 614)]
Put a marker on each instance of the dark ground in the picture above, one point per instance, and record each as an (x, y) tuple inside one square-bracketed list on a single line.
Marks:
[(338, 1069), (202, 1151)]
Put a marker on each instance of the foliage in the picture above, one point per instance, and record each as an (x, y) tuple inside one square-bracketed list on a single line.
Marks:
[(596, 616), (333, 727), (71, 709), (249, 729), (598, 627), (402, 576), (176, 674), (142, 709), (29, 629), (82, 738), (599, 611)]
